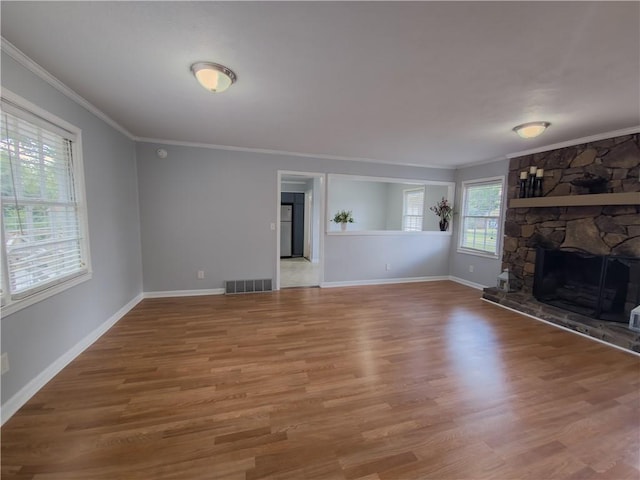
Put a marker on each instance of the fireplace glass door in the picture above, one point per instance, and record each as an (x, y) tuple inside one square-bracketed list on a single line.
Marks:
[(604, 287)]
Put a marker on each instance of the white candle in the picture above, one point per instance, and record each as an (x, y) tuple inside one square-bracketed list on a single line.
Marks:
[(523, 175), (540, 173), (532, 170)]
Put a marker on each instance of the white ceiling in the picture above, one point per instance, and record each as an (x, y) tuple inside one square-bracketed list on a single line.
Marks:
[(424, 83)]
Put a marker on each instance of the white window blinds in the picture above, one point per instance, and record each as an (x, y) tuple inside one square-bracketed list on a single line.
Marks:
[(413, 210), (42, 230)]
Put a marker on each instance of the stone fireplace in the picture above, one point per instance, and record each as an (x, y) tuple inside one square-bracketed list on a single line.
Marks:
[(569, 218)]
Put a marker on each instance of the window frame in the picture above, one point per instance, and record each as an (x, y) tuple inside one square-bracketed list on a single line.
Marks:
[(25, 110), (405, 193), (500, 179)]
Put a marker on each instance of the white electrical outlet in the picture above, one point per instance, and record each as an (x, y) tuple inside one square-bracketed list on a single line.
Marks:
[(200, 274), (4, 363), (387, 267), (470, 268), (273, 226)]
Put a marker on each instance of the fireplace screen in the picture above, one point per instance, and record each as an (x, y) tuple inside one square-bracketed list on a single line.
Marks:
[(604, 287)]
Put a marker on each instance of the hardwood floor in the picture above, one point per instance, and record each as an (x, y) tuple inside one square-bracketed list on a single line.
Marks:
[(409, 381)]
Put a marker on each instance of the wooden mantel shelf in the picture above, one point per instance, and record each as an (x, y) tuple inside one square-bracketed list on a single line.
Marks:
[(628, 198)]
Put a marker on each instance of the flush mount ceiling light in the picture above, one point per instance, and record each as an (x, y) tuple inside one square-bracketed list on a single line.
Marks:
[(531, 129), (212, 76)]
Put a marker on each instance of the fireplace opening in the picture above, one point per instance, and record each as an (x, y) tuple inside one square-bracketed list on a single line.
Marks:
[(597, 286)]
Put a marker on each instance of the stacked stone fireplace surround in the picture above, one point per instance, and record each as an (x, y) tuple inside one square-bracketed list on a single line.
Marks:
[(600, 229)]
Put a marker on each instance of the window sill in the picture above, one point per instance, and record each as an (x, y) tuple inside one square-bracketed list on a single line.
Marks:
[(13, 306), (477, 253)]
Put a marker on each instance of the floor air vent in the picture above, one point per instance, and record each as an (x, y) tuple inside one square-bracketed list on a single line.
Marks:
[(247, 286)]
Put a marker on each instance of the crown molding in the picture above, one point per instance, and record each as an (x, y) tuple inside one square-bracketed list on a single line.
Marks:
[(577, 141), (482, 162), (33, 67), (211, 146)]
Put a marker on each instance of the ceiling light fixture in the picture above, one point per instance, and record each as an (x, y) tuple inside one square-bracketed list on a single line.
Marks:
[(531, 129), (212, 76)]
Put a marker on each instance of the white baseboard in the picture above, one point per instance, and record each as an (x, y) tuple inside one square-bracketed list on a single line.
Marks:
[(562, 327), (468, 283), (184, 293), (383, 281), (12, 405)]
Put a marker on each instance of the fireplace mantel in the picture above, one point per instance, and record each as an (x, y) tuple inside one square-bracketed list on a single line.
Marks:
[(626, 198)]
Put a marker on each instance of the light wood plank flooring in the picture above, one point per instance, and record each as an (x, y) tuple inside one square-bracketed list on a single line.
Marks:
[(413, 381)]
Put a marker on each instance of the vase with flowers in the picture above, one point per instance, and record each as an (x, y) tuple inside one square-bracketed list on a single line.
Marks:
[(343, 217), (445, 211)]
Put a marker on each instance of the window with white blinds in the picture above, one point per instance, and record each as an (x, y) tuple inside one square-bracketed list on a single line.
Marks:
[(413, 210), (43, 222), (481, 213)]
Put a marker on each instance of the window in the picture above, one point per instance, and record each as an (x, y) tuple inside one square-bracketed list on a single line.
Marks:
[(412, 211), (481, 213), (44, 231)]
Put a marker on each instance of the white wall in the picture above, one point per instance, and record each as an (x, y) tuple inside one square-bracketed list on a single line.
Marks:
[(39, 335)]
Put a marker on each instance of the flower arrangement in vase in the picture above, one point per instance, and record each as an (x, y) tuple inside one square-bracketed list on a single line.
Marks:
[(343, 217), (444, 211)]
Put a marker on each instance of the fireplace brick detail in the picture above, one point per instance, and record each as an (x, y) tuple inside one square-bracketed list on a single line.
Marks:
[(600, 230)]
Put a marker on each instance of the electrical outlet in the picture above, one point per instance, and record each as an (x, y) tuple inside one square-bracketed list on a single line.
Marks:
[(4, 363), (387, 267), (273, 226), (200, 274), (470, 268)]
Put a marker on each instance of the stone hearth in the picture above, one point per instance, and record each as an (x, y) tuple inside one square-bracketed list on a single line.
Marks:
[(614, 333)]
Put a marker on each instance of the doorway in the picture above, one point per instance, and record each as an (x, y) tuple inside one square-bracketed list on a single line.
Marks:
[(300, 240)]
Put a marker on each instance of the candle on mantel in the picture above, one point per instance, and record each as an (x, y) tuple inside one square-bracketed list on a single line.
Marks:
[(537, 189), (532, 170), (523, 184)]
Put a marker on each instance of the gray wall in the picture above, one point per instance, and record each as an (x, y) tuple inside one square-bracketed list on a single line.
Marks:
[(36, 336), (207, 209), (485, 270), (367, 201), (350, 258)]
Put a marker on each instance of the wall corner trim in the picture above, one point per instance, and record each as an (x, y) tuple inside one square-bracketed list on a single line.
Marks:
[(468, 283), (11, 406), (40, 72), (184, 293)]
